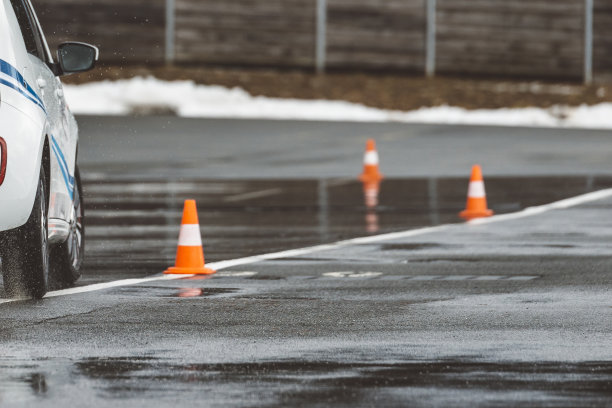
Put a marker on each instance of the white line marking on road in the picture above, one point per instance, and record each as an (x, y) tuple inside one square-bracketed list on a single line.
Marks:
[(455, 278), (393, 277), (229, 274), (567, 203), (104, 285), (350, 274), (458, 277), (326, 247), (253, 194), (522, 278), (380, 276), (557, 205)]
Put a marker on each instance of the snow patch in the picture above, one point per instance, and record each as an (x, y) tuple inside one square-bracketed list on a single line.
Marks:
[(187, 99)]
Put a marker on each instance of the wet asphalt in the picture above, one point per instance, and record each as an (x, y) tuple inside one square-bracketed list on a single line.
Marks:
[(505, 314)]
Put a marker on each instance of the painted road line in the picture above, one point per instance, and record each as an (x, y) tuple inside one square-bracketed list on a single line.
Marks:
[(229, 274), (567, 203), (292, 253), (381, 276), (105, 285), (557, 205), (393, 277), (353, 275), (458, 277)]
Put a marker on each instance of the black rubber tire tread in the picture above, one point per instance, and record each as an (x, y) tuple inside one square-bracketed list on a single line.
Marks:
[(63, 271), (25, 264)]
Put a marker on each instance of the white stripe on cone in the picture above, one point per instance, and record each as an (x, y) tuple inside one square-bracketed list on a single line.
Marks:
[(190, 235), (476, 189), (371, 158)]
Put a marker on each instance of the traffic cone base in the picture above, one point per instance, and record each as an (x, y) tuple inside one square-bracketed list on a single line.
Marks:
[(469, 215), (189, 271), (189, 254)]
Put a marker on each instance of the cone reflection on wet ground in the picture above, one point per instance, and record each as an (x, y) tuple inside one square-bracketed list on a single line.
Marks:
[(190, 292), (372, 224), (371, 191)]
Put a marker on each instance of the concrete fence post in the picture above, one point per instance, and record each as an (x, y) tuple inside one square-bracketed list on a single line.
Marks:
[(170, 31), (588, 42), (430, 45), (321, 40)]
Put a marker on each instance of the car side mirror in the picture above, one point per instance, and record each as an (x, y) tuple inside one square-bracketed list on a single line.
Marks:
[(76, 57)]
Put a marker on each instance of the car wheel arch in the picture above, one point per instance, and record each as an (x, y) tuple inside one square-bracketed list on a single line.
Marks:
[(46, 165)]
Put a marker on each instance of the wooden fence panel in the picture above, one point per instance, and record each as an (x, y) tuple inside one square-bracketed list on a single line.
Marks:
[(520, 38), (532, 38), (246, 32), (129, 31), (602, 38), (379, 34)]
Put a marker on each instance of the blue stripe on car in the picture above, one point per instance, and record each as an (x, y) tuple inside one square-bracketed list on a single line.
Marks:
[(11, 71), (22, 85), (68, 179), (16, 88), (61, 158)]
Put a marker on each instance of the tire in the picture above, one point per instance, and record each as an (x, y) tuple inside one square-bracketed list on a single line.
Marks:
[(25, 251), (67, 257)]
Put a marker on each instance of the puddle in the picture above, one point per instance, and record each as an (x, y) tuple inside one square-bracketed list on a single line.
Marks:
[(318, 381), (330, 382), (132, 226), (412, 246), (168, 292)]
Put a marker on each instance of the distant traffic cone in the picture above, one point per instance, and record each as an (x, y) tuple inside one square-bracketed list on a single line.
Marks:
[(477, 198), (370, 163), (189, 255)]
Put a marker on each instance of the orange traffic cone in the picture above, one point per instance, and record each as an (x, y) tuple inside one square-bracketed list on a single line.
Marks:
[(189, 255), (477, 198), (370, 163)]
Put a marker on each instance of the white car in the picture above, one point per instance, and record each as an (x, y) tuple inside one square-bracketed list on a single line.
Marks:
[(41, 208)]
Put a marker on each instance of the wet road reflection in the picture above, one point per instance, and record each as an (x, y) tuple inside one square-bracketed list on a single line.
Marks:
[(322, 382), (132, 226)]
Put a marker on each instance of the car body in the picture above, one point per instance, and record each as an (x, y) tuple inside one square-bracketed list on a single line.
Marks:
[(38, 141)]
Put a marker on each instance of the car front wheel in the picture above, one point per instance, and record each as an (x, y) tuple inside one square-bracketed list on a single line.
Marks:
[(67, 257)]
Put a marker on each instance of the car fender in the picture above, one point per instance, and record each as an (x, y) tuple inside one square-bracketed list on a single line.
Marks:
[(24, 139)]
